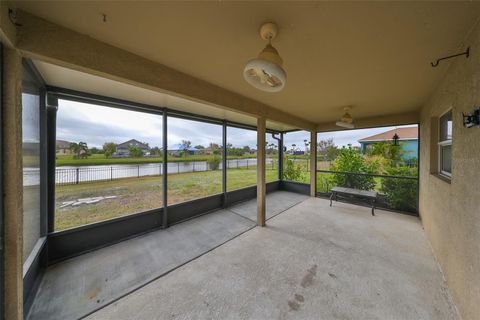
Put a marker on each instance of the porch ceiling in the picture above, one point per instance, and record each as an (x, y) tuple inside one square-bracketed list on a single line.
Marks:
[(75, 80), (374, 56)]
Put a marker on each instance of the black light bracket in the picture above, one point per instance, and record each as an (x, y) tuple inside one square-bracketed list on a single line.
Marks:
[(471, 119), (12, 15), (466, 54)]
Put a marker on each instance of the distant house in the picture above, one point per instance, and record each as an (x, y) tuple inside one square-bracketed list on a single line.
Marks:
[(407, 136), (178, 149), (63, 147), (123, 151)]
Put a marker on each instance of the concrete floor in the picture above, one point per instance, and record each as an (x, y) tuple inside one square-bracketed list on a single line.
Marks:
[(79, 286), (310, 262)]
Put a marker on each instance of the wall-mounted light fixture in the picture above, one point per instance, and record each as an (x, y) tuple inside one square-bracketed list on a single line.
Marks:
[(471, 119)]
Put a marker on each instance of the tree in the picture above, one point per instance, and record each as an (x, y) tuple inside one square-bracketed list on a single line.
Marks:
[(291, 171), (109, 148), (156, 151), (135, 152), (327, 149), (305, 141), (387, 150), (185, 146), (350, 160), (401, 194), (80, 150), (215, 147), (271, 148), (246, 149)]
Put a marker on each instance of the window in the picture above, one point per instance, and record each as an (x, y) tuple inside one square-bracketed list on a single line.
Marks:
[(31, 162), (271, 158), (108, 163), (445, 144), (194, 159), (241, 158), (296, 158)]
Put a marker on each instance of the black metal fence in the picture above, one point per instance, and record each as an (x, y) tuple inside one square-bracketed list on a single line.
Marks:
[(77, 175), (395, 192)]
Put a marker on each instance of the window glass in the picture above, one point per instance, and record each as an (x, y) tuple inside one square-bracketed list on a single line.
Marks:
[(31, 168), (446, 159), (108, 163), (445, 143), (296, 162), (241, 158), (446, 126), (194, 159), (271, 158)]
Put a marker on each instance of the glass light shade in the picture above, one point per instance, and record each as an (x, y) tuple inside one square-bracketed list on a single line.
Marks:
[(265, 75)]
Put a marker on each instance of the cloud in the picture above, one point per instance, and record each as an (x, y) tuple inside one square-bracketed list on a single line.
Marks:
[(97, 124)]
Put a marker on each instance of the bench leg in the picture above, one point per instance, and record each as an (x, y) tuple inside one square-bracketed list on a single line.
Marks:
[(373, 207), (331, 197)]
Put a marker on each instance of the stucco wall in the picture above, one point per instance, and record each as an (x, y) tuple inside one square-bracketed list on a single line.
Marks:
[(450, 212)]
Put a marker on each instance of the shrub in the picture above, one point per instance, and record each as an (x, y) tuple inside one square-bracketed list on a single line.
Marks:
[(350, 160), (401, 194), (291, 171), (324, 182), (214, 163)]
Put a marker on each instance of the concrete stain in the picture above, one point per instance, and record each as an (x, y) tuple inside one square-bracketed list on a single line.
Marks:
[(93, 293), (294, 305), (299, 298), (307, 280), (332, 275)]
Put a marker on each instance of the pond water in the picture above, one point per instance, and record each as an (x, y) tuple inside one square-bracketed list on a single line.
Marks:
[(72, 174)]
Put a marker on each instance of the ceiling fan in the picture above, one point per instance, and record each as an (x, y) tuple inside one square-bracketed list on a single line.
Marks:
[(347, 120), (265, 72)]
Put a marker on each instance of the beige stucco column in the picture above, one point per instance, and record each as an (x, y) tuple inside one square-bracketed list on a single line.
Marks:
[(261, 187), (12, 167), (313, 163)]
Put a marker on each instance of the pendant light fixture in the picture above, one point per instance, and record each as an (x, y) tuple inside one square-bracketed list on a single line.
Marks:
[(265, 72)]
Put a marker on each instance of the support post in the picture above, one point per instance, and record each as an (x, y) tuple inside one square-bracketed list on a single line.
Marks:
[(224, 163), (280, 158), (13, 186), (164, 169), (261, 187), (52, 107), (313, 163)]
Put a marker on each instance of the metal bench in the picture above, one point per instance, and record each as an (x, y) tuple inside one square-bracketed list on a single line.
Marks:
[(371, 196)]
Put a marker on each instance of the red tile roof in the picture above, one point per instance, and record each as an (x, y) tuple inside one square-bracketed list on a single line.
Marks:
[(410, 133)]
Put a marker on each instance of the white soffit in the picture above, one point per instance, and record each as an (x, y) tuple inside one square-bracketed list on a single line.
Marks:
[(75, 80)]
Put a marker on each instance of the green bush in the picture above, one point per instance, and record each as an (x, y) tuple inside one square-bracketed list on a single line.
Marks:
[(291, 171), (401, 194), (214, 163), (324, 182), (350, 160)]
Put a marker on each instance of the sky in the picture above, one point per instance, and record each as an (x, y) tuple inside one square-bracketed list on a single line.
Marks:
[(96, 125)]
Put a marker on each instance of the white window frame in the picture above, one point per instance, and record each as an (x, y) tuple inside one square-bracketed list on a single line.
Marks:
[(442, 144)]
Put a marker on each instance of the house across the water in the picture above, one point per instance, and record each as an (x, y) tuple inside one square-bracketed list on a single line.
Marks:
[(407, 137), (124, 151)]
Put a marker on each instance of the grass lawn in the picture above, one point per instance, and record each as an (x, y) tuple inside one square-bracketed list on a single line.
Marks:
[(135, 195)]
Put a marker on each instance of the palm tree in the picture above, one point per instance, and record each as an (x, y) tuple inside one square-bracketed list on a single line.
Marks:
[(306, 145), (186, 145), (79, 149)]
